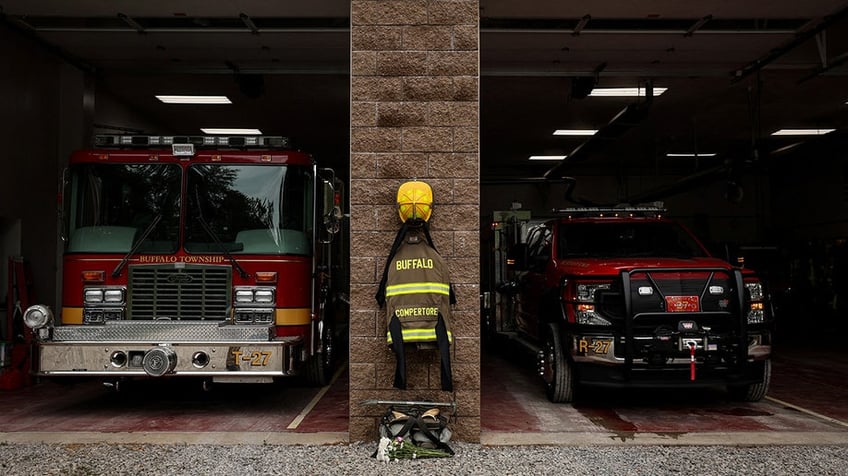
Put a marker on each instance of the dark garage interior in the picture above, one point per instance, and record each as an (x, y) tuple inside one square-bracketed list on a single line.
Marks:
[(734, 75), (715, 84)]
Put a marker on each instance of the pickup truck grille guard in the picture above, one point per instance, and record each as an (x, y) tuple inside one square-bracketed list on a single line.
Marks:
[(731, 319)]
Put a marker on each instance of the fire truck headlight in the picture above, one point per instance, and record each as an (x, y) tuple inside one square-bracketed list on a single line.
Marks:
[(113, 296), (255, 295), (264, 296), (244, 296), (38, 316), (93, 295)]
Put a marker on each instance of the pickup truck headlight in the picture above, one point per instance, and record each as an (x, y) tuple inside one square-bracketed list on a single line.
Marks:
[(586, 315), (582, 304), (755, 291), (586, 292), (756, 310)]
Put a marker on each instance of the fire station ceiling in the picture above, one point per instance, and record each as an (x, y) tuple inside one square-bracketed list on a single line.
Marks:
[(734, 72)]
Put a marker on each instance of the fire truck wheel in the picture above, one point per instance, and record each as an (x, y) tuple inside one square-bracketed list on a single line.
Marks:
[(556, 368), (319, 367), (755, 391)]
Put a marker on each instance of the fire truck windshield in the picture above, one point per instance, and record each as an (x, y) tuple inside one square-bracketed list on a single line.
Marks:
[(247, 208), (110, 205)]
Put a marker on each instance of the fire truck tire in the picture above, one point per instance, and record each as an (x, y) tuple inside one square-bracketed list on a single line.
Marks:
[(755, 391), (319, 367), (557, 370)]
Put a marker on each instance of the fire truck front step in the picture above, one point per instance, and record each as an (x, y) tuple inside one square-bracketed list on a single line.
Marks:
[(164, 331)]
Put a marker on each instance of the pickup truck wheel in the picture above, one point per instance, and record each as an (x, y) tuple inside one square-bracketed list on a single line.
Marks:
[(556, 368), (755, 391)]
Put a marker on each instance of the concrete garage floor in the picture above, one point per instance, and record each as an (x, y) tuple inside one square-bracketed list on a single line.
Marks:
[(806, 405), (177, 411)]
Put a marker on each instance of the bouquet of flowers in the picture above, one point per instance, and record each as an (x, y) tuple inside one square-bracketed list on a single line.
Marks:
[(399, 448)]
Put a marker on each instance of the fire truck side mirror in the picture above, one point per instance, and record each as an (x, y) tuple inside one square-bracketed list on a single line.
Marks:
[(332, 212)]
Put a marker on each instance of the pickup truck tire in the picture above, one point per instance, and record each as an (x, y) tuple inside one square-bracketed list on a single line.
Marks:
[(755, 391), (557, 371)]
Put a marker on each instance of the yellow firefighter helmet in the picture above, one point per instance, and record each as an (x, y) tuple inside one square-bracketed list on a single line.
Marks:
[(415, 201)]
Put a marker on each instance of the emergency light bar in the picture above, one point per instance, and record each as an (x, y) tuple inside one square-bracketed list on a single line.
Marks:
[(182, 150), (647, 210), (241, 142)]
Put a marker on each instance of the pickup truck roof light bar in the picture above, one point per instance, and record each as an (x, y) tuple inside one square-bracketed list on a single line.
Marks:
[(648, 211), (199, 141)]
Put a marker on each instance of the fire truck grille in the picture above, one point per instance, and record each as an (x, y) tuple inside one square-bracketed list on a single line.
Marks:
[(193, 292)]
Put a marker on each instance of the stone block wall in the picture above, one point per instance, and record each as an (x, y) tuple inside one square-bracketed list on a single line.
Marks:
[(414, 115)]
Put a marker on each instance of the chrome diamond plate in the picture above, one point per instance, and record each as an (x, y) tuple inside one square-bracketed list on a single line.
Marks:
[(163, 332)]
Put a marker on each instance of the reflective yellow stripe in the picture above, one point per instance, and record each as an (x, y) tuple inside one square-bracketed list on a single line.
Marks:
[(71, 315), (418, 288), (418, 335), (297, 316)]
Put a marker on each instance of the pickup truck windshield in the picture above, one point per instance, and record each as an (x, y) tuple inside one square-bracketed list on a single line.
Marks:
[(626, 239)]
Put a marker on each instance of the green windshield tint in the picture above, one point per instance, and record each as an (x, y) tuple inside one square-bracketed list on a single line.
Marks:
[(111, 206), (243, 209)]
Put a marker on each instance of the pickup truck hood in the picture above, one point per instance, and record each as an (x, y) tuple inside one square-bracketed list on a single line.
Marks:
[(612, 266)]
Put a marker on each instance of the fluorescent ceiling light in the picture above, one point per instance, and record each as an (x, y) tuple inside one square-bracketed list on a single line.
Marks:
[(624, 92), (194, 99), (801, 132), (548, 157), (692, 154), (575, 132), (234, 131)]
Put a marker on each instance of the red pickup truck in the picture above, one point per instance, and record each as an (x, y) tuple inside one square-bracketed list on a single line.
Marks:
[(627, 297)]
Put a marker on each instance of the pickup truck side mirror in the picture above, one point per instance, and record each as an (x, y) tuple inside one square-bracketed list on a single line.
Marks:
[(517, 255)]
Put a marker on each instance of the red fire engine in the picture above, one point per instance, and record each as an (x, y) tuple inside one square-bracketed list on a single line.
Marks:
[(206, 256)]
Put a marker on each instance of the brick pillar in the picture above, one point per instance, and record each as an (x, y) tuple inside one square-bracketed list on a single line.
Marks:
[(414, 115)]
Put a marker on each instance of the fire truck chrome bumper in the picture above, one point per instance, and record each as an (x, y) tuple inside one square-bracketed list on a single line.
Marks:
[(163, 331), (123, 359)]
